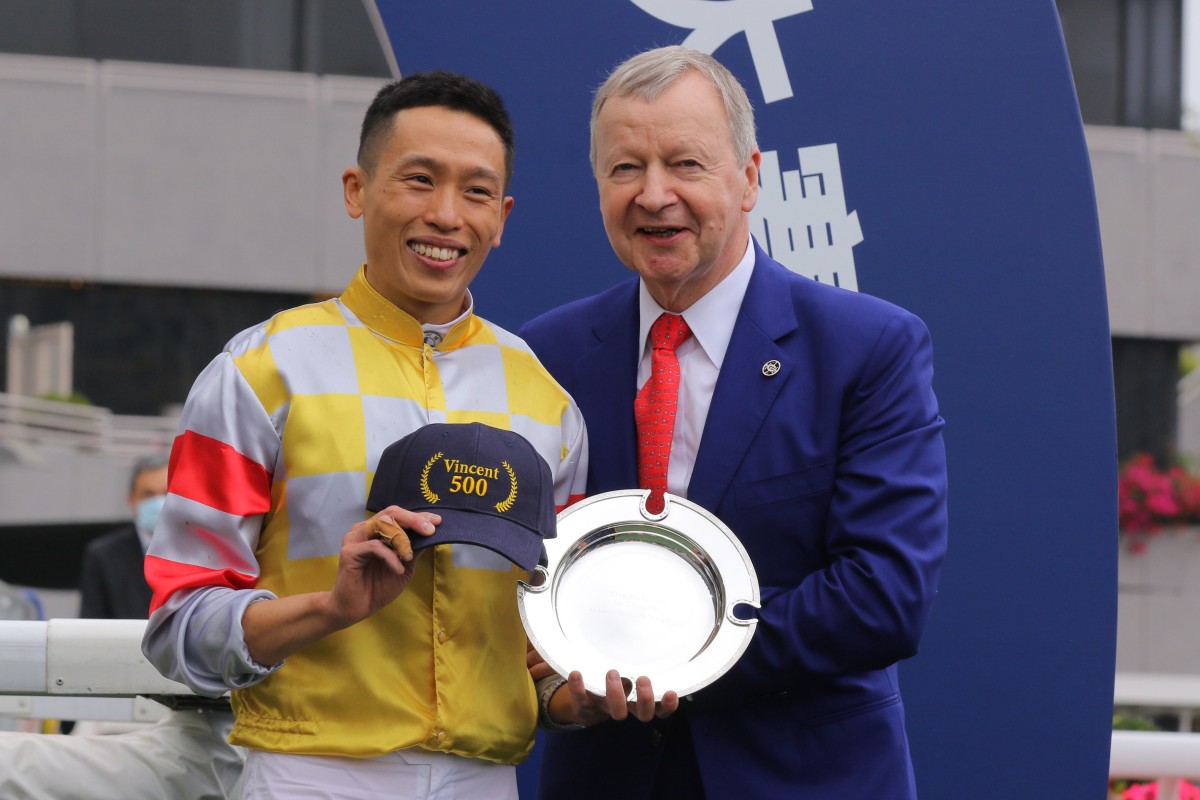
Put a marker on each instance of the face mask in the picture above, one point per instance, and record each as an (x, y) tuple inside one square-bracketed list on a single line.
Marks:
[(146, 517)]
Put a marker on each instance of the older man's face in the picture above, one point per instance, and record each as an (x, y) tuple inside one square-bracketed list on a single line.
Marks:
[(673, 196)]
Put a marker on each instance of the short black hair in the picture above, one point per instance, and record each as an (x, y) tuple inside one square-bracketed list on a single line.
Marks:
[(446, 89)]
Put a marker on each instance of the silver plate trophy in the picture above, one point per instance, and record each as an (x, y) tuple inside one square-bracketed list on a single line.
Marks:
[(642, 593)]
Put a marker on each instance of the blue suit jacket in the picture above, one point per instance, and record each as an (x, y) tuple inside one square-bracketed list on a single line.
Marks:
[(832, 474)]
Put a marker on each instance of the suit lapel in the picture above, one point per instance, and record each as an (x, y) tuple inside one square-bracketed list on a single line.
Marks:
[(610, 372), (744, 394)]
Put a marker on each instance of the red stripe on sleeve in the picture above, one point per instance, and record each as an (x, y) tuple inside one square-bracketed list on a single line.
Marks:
[(167, 577), (213, 473)]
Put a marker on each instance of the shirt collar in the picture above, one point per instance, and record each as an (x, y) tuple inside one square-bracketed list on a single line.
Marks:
[(389, 321), (711, 318)]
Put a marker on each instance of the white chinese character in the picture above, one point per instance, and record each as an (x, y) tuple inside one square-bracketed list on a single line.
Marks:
[(714, 22), (801, 218)]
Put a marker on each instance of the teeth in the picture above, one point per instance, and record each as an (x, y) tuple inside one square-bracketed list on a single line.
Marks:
[(660, 231), (436, 253)]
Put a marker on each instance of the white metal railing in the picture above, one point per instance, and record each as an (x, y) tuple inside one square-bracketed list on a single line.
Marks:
[(1168, 756), (79, 669), (31, 420), (93, 657)]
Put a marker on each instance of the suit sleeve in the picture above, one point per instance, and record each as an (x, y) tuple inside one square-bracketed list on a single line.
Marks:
[(92, 592), (884, 539)]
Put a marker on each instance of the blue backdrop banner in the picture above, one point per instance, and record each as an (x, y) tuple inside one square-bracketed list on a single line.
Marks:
[(931, 153)]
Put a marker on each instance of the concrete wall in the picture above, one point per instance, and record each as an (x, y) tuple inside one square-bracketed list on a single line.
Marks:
[(192, 176), (1148, 196), (1158, 602), (180, 176), (47, 485)]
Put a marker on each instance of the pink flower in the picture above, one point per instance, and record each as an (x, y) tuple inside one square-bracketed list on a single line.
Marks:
[(1149, 791), (1162, 504), (1149, 498)]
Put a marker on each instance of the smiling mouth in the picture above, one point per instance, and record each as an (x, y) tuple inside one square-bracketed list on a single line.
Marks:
[(436, 253), (659, 233)]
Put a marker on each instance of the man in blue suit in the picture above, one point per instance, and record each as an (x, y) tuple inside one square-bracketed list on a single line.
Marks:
[(805, 420)]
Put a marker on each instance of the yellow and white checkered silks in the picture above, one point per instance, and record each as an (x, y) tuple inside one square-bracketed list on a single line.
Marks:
[(280, 439)]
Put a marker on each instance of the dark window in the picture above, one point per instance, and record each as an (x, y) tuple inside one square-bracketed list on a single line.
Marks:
[(318, 36)]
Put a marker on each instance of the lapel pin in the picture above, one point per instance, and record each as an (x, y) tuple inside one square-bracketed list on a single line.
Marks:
[(771, 368)]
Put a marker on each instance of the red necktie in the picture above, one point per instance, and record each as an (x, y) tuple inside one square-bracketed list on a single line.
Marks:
[(654, 407)]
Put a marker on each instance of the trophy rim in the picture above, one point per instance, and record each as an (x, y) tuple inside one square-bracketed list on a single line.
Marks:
[(582, 610)]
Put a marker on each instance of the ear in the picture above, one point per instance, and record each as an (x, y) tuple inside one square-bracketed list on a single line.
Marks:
[(505, 207), (750, 196), (354, 183)]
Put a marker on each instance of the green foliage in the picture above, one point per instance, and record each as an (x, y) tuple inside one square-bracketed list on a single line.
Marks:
[(1133, 722), (1189, 359), (78, 398)]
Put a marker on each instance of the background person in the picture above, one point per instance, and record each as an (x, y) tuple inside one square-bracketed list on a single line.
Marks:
[(800, 414), (113, 583), (403, 677)]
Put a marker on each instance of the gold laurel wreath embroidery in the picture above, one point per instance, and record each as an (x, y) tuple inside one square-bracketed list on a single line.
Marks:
[(426, 492), (507, 503)]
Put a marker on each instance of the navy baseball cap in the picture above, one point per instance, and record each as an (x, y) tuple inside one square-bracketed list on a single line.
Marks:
[(490, 486)]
